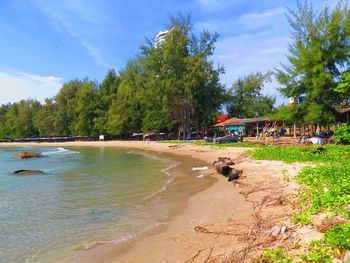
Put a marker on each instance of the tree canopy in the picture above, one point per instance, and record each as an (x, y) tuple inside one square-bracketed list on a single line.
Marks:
[(246, 98), (172, 86), (318, 54)]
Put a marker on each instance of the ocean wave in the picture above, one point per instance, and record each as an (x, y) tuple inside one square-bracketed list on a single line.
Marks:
[(170, 179), (87, 245), (60, 150)]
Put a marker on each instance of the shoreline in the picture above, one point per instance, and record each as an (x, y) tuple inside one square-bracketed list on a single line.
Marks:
[(220, 206)]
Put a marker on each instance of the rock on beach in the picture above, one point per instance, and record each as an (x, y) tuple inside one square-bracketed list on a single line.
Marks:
[(27, 172), (27, 155)]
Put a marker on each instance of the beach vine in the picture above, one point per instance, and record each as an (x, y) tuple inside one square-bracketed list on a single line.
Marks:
[(324, 193)]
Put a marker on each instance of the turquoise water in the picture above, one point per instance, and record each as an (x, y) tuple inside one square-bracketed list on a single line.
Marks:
[(86, 196)]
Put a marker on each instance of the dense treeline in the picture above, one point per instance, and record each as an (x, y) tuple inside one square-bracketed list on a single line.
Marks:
[(173, 86)]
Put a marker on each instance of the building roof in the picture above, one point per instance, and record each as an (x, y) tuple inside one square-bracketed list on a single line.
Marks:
[(343, 110), (229, 122), (249, 120)]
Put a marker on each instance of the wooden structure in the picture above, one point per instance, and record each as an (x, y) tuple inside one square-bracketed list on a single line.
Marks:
[(251, 122), (345, 112), (231, 125)]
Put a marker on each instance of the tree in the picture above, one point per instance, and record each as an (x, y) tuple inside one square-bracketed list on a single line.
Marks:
[(188, 83), (318, 52), (44, 119), (246, 98), (65, 114), (86, 109), (126, 113), (17, 119), (343, 88), (105, 95), (171, 86)]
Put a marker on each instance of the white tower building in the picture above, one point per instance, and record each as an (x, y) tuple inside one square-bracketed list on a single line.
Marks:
[(160, 38)]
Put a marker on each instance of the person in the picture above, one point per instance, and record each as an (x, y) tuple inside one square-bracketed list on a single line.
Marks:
[(282, 131)]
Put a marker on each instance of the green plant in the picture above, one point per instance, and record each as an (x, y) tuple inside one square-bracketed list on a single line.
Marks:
[(342, 133), (276, 255), (285, 175), (338, 237), (324, 188), (303, 218)]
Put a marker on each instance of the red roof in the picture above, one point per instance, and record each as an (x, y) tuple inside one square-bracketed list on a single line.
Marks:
[(222, 118), (343, 110), (226, 123)]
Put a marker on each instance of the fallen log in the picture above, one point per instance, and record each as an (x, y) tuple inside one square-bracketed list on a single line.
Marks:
[(222, 168), (226, 160), (234, 175)]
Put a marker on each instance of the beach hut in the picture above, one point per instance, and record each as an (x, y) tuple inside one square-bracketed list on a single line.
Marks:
[(231, 125), (249, 123)]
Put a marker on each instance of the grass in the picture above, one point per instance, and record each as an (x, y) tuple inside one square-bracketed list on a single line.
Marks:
[(329, 154), (325, 188)]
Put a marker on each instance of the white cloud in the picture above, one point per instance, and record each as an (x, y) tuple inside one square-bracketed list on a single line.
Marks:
[(19, 85), (78, 19), (266, 14), (249, 54), (253, 42)]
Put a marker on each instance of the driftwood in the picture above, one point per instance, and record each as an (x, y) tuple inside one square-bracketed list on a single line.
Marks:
[(222, 167), (234, 175), (226, 160)]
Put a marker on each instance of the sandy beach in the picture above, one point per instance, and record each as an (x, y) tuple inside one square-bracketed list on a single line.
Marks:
[(224, 223)]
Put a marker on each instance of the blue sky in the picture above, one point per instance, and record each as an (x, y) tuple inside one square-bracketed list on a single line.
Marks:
[(44, 43)]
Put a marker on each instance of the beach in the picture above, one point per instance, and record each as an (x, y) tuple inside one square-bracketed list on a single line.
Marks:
[(215, 224)]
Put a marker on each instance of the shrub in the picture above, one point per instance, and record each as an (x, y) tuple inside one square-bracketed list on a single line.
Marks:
[(342, 133)]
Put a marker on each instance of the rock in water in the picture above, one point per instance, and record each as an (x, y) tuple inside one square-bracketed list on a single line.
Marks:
[(27, 155), (28, 172)]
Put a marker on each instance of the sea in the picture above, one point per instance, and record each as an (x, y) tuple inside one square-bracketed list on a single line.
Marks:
[(88, 196)]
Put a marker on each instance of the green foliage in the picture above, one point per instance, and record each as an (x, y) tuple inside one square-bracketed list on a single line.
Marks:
[(343, 87), (324, 188), (318, 52), (303, 218), (172, 86), (338, 237), (289, 114), (276, 255), (65, 113), (331, 153), (246, 98), (342, 133), (319, 253), (44, 119), (17, 120), (85, 110)]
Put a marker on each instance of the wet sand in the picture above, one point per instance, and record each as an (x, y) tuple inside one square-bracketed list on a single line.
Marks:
[(212, 224)]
